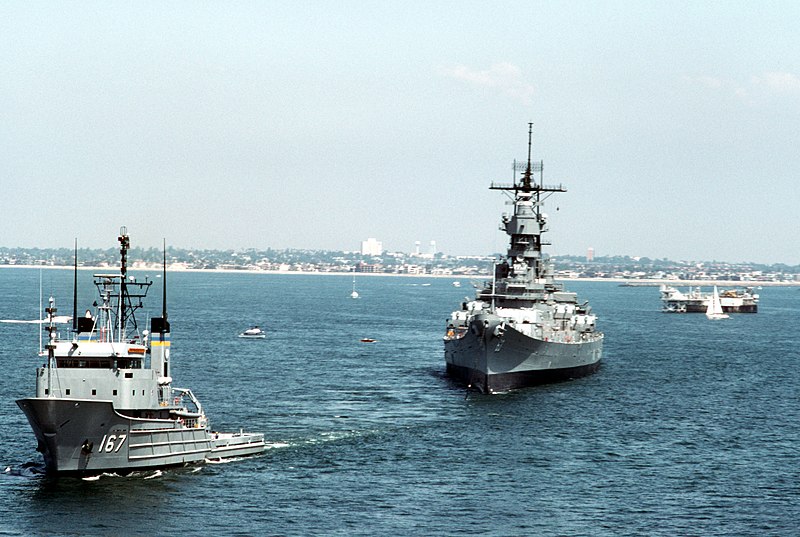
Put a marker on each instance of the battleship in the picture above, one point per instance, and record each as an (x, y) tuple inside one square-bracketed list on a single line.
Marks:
[(695, 301), (104, 400), (522, 328)]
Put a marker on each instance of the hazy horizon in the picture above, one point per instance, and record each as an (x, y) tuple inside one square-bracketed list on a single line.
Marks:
[(405, 252), (311, 125)]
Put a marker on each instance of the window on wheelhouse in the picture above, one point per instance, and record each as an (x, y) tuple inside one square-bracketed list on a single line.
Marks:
[(94, 363)]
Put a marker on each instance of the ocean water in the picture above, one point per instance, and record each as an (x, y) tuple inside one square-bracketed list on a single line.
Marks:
[(691, 427)]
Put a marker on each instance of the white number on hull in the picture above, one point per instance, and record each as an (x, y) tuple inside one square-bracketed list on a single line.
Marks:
[(112, 443)]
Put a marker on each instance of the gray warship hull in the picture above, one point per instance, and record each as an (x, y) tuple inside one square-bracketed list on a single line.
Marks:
[(85, 437), (523, 328), (490, 364)]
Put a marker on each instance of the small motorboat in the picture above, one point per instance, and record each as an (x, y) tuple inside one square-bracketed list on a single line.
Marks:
[(368, 340), (253, 332)]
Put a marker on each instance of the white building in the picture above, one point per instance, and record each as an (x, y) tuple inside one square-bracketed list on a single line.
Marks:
[(371, 247)]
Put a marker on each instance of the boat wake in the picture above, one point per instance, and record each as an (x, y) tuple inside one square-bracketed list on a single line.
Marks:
[(336, 436), (131, 475), (28, 469), (223, 461), (104, 474)]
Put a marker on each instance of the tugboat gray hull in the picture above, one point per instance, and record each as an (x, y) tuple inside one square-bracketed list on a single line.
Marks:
[(90, 437)]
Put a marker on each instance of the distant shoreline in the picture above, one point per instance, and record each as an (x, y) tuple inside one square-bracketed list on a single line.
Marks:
[(625, 282)]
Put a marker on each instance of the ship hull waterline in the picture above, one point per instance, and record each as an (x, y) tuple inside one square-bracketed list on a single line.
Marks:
[(88, 437), (503, 382), (495, 364)]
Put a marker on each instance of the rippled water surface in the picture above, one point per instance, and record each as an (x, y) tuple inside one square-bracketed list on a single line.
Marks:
[(691, 427)]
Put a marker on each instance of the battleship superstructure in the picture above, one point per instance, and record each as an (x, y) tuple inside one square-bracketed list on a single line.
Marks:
[(522, 328), (104, 399)]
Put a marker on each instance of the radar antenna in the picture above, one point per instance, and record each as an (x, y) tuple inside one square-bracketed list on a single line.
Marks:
[(526, 178), (164, 284), (124, 244), (75, 291)]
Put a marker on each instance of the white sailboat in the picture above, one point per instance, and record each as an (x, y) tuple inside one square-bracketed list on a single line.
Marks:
[(714, 310), (354, 294)]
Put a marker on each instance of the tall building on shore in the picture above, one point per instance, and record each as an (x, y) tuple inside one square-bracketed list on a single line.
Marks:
[(371, 247), (590, 254)]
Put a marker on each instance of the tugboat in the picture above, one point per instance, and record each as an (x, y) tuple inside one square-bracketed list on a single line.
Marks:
[(104, 399), (522, 329)]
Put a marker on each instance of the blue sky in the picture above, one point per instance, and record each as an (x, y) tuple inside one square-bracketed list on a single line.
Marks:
[(673, 125)]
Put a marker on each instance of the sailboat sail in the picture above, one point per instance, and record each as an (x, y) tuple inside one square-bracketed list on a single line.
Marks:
[(714, 310)]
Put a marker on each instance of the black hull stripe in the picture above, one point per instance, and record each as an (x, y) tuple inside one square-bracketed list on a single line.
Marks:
[(510, 381)]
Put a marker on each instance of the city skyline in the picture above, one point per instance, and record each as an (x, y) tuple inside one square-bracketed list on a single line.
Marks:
[(645, 271), (373, 247), (64, 256), (312, 126)]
